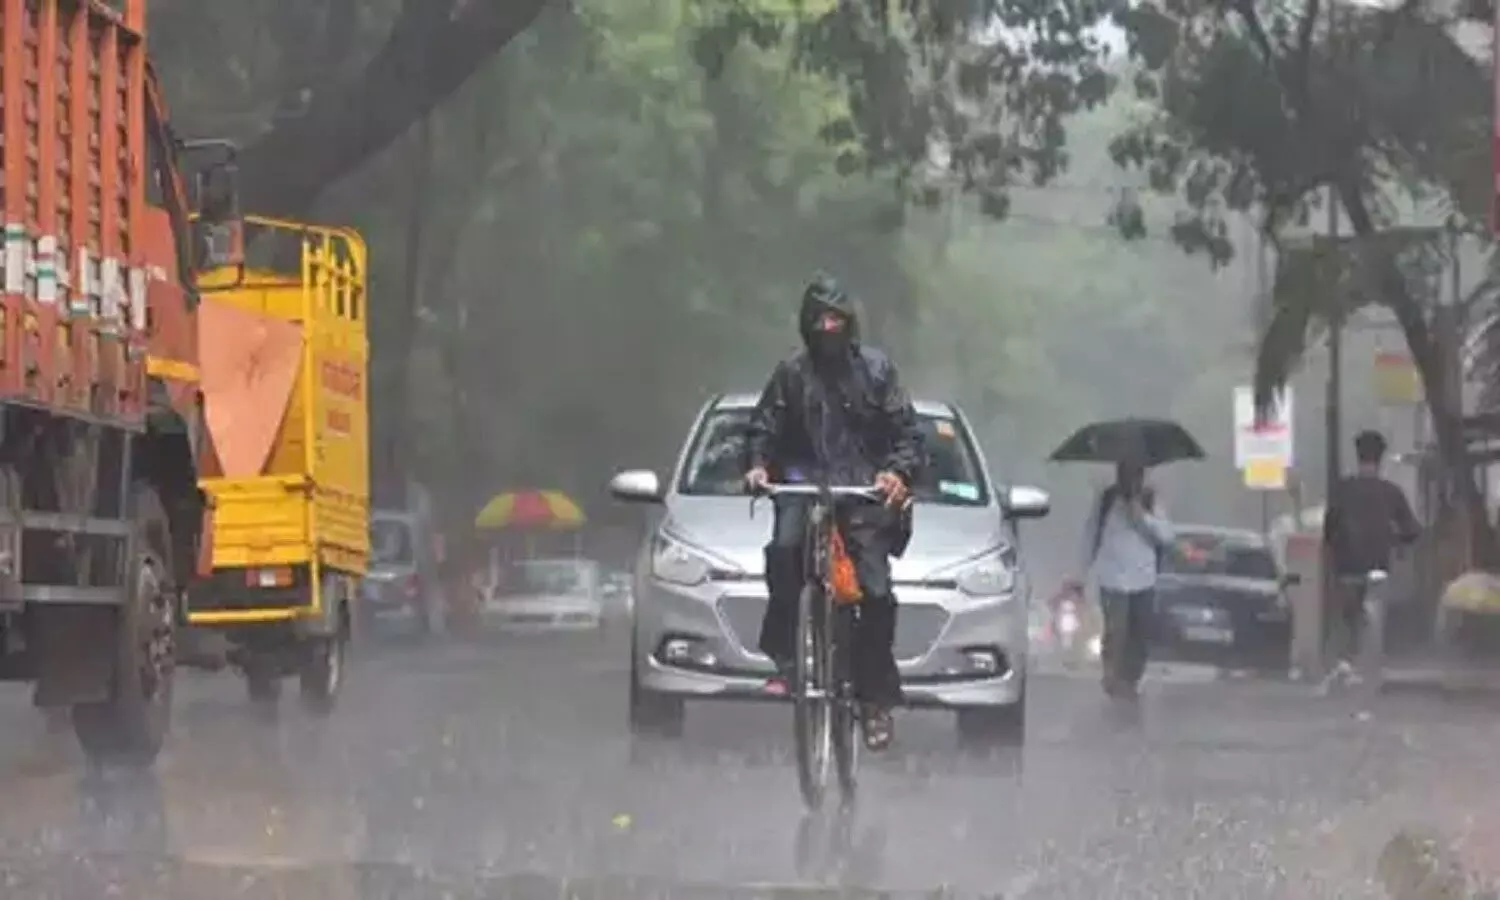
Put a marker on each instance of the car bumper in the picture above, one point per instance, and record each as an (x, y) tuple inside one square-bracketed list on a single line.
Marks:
[(539, 623), (1261, 645), (935, 628)]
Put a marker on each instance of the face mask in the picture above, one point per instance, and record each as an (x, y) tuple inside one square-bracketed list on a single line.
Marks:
[(826, 346), (830, 338)]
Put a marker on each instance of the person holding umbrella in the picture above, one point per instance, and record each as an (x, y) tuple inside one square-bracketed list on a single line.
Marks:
[(1125, 536)]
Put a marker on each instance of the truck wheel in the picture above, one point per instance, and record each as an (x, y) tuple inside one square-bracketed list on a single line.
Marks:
[(323, 670), (262, 683), (130, 727)]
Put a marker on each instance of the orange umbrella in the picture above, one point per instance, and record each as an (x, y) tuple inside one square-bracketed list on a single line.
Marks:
[(552, 510)]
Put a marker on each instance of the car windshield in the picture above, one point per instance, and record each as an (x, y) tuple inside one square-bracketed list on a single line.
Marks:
[(715, 464), (391, 542), (555, 577), (1202, 553)]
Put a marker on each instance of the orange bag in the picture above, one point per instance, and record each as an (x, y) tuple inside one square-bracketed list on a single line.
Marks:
[(842, 579)]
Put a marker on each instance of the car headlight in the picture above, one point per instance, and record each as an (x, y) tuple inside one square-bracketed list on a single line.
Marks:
[(679, 564), (992, 576)]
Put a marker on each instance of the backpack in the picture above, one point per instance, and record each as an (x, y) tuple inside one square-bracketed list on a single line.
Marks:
[(1107, 502)]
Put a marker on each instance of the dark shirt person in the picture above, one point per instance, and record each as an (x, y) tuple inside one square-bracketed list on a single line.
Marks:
[(1367, 518)]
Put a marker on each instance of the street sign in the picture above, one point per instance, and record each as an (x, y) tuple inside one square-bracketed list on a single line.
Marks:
[(1268, 439), (1265, 475), (1397, 382)]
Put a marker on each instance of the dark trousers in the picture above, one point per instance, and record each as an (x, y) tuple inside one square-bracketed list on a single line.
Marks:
[(1127, 634), (1344, 628), (866, 530)]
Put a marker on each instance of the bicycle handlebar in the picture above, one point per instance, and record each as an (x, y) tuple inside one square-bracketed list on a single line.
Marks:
[(862, 492)]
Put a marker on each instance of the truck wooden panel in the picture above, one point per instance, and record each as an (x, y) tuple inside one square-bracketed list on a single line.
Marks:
[(261, 521), (290, 429), (88, 242)]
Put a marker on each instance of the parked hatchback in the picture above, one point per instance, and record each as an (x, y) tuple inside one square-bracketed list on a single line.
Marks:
[(396, 591), (1221, 600), (699, 592)]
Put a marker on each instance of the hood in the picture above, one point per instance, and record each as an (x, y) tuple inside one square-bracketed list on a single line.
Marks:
[(1220, 582), (824, 295), (722, 526)]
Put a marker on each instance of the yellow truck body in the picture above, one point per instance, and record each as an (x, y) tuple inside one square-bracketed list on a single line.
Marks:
[(287, 405)]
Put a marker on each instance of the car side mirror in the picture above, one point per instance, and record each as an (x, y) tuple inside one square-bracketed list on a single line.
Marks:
[(636, 486), (1290, 579), (1023, 502)]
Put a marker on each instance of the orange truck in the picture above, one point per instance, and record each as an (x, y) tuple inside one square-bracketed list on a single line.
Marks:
[(102, 524)]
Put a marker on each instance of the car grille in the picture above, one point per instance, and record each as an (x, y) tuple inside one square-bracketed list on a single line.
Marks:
[(918, 625)]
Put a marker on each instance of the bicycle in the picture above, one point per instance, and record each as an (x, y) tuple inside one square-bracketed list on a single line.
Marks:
[(825, 708)]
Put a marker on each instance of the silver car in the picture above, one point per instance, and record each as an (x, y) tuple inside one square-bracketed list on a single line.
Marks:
[(546, 595), (700, 594)]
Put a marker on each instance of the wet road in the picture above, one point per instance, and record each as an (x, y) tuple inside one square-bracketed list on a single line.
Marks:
[(498, 769)]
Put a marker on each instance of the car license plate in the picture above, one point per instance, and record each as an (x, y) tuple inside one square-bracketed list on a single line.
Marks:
[(1207, 634)]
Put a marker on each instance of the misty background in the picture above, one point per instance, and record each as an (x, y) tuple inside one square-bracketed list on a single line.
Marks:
[(590, 237)]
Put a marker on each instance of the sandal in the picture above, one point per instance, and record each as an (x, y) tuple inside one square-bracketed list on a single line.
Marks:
[(878, 728)]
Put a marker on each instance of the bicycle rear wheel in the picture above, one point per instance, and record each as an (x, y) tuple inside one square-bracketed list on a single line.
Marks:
[(844, 710), (812, 701)]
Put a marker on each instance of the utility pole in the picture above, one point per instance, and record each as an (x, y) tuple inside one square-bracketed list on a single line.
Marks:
[(1334, 388), (1263, 313), (1333, 424)]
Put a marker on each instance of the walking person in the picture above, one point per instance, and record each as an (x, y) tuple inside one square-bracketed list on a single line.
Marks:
[(1366, 519), (1123, 542)]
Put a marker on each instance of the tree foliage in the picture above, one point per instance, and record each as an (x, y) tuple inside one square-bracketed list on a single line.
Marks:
[(972, 94), (323, 86), (1256, 108)]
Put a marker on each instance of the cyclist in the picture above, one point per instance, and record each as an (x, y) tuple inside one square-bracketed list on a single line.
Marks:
[(837, 411), (1366, 518)]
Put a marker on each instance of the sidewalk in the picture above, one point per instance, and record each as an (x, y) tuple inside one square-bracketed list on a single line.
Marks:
[(1446, 674)]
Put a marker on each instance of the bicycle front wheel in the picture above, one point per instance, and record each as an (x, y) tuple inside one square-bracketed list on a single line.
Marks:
[(843, 716), (811, 700)]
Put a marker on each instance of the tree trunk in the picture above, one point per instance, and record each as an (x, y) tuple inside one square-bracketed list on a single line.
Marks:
[(1444, 399), (431, 51), (393, 469)]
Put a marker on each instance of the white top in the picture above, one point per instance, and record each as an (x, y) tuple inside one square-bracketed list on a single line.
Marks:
[(1126, 561)]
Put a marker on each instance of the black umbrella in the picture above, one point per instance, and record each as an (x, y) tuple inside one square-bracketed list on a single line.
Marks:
[(1149, 442)]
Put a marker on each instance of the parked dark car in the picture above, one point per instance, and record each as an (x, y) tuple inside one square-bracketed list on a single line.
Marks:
[(1221, 600), (396, 593)]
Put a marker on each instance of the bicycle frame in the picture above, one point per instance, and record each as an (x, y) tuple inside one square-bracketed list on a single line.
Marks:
[(826, 715)]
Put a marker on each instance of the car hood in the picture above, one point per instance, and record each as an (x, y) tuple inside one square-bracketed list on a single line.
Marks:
[(1226, 583), (722, 526)]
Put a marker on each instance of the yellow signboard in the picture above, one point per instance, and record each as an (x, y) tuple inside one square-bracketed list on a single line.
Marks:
[(1265, 475), (1397, 382)]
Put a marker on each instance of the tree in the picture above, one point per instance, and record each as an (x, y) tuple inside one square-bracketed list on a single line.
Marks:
[(1256, 108), (331, 105), (970, 94)]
